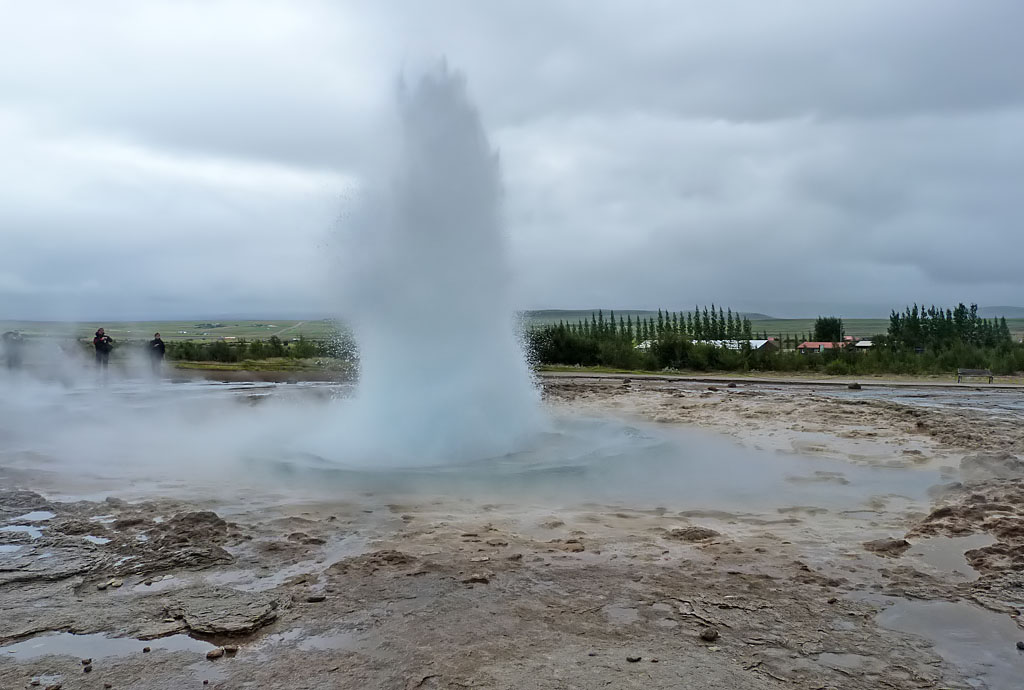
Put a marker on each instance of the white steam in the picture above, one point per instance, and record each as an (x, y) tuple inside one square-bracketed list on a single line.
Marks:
[(425, 287)]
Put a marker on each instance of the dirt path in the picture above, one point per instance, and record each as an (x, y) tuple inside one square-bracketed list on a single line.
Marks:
[(288, 328)]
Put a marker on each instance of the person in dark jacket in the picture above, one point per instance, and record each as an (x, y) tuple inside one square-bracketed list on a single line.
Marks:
[(103, 344), (12, 344), (156, 352)]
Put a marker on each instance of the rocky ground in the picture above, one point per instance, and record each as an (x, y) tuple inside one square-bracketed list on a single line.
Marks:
[(374, 590)]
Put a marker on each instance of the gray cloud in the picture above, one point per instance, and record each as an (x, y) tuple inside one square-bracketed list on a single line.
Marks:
[(189, 158)]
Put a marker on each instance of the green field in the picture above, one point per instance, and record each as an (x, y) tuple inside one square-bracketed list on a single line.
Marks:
[(199, 330), (286, 329)]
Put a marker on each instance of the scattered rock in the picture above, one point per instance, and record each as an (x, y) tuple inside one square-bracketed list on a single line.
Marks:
[(372, 562), (832, 600), (731, 385), (146, 650), (215, 653), (107, 686), (496, 542), (479, 559), (713, 389), (476, 578), (632, 659), (709, 634), (314, 541), (86, 662), (887, 548), (316, 598), (691, 534), (854, 386), (115, 583), (1020, 645), (626, 382), (230, 649), (516, 557), (126, 522), (87, 668), (54, 686)]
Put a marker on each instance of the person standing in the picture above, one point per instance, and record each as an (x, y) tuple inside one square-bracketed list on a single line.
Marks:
[(103, 344), (156, 352), (12, 344)]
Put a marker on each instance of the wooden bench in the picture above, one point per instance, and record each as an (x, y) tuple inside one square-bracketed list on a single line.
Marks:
[(975, 373)]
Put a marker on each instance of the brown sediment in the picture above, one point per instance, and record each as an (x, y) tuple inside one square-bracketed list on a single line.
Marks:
[(447, 591)]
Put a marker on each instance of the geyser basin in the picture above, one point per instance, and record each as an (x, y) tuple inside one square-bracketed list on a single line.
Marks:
[(208, 440)]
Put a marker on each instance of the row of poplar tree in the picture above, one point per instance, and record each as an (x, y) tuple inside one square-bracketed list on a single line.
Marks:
[(933, 327), (700, 324)]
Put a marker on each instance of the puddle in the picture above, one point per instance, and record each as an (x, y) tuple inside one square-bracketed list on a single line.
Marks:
[(249, 581), (97, 646), (946, 554), (35, 516), (9, 548), (621, 615), (849, 662), (34, 532), (335, 640), (981, 644), (96, 540)]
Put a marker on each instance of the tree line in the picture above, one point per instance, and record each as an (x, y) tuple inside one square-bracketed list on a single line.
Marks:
[(918, 341)]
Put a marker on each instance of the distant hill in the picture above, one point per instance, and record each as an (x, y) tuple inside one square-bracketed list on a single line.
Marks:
[(996, 312)]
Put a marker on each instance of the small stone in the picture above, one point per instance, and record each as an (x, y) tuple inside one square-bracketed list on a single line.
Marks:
[(145, 650), (102, 586), (231, 649), (476, 578), (591, 653), (516, 557), (832, 600), (496, 542), (632, 659), (654, 661), (1020, 645), (215, 653), (115, 583), (86, 662), (148, 583), (55, 686), (712, 389), (316, 598), (731, 385), (34, 681), (206, 682), (107, 686), (479, 559), (87, 668), (709, 634), (854, 386)]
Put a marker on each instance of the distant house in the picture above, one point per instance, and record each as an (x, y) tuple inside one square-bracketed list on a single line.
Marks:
[(810, 346), (863, 345), (645, 345), (759, 344)]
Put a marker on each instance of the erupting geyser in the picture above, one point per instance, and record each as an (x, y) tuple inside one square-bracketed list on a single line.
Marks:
[(425, 287)]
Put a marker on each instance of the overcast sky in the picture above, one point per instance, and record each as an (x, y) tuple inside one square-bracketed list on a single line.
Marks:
[(190, 158)]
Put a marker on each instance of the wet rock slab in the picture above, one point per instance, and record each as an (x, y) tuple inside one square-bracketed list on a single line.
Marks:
[(222, 611)]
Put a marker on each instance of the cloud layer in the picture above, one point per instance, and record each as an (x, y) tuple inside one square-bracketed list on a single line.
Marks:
[(169, 159)]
